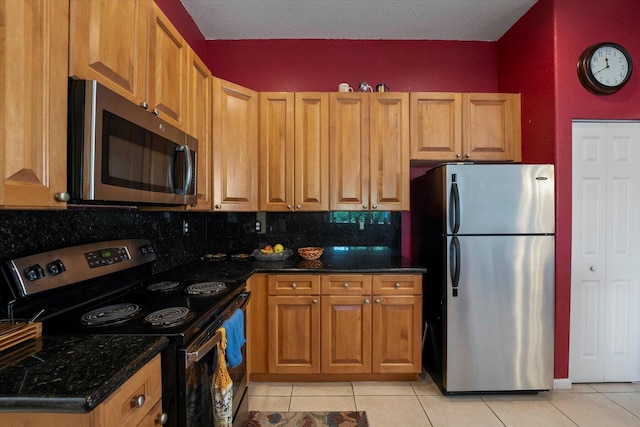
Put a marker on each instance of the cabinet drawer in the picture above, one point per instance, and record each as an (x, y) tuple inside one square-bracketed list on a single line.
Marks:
[(294, 284), (346, 284), (122, 407), (153, 418), (397, 284)]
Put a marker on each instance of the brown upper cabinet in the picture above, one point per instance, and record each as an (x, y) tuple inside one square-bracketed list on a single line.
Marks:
[(369, 151), (465, 126), (33, 103), (235, 147), (294, 151), (199, 114), (132, 48)]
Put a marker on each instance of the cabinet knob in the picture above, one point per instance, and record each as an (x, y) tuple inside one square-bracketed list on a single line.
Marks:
[(293, 286), (62, 197), (593, 268), (374, 207), (162, 418), (289, 207), (144, 105), (218, 206), (377, 301), (156, 112), (364, 206), (137, 402), (298, 207), (397, 285), (346, 285), (315, 301), (458, 155), (367, 301), (468, 155)]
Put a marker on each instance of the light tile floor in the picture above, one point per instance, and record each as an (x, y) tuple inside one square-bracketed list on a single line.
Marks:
[(421, 404)]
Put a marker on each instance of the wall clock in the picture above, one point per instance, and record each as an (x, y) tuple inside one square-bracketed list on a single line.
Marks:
[(604, 68)]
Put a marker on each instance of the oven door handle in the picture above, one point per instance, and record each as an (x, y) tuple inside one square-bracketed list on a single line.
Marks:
[(198, 351), (196, 355)]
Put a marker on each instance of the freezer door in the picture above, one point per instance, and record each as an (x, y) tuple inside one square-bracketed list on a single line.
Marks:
[(500, 199), (499, 320)]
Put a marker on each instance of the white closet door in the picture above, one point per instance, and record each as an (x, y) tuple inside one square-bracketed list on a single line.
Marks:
[(605, 284)]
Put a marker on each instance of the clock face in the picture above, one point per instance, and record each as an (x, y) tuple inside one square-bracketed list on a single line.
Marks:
[(609, 66), (604, 68)]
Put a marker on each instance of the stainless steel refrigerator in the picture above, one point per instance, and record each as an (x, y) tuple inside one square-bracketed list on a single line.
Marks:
[(485, 233)]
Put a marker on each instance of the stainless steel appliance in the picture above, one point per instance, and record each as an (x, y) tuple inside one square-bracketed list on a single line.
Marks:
[(486, 235), (108, 288), (119, 152)]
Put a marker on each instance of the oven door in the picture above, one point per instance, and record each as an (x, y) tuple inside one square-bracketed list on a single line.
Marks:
[(196, 405)]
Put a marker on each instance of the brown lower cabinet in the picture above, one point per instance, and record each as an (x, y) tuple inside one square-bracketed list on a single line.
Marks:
[(343, 325), (116, 411)]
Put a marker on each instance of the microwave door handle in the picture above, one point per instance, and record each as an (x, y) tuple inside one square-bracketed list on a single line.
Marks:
[(188, 169), (188, 173)]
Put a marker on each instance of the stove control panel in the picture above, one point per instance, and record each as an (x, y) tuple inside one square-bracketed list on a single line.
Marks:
[(67, 266), (107, 256)]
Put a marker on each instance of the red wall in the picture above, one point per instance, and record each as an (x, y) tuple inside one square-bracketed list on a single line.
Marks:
[(320, 65)]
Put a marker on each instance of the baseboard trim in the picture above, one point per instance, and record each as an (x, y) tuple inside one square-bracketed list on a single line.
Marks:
[(562, 384)]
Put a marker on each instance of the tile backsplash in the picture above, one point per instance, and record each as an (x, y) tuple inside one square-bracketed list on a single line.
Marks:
[(183, 236)]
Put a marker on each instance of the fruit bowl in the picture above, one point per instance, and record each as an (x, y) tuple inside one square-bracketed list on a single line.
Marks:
[(310, 253), (273, 256)]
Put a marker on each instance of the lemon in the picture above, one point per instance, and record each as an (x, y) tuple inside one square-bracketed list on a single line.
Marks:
[(278, 248)]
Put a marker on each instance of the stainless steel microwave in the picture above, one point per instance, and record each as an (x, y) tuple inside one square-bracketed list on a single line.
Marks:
[(120, 153)]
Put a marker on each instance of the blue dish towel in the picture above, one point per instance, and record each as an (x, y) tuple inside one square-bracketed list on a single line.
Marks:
[(235, 338)]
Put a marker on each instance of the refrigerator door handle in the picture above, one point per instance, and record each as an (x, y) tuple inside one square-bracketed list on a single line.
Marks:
[(455, 205), (454, 264)]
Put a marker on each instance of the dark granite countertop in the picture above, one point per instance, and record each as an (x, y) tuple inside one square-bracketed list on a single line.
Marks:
[(337, 259), (70, 373)]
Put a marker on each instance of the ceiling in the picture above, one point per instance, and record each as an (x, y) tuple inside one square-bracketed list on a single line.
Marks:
[(483, 20)]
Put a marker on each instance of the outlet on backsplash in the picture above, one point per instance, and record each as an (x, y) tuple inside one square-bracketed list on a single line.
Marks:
[(261, 222)]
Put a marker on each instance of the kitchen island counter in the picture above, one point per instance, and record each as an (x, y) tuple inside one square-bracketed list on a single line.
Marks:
[(72, 374)]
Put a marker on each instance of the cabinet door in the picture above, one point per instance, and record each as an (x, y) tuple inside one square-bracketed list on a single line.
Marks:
[(108, 43), (346, 334), (311, 168), (257, 321), (491, 126), (294, 334), (436, 125), (235, 147), (33, 104), (199, 125), (276, 151), (167, 69), (349, 151), (397, 336), (389, 151)]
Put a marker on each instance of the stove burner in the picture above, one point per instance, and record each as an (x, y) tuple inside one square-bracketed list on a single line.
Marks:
[(166, 286), (110, 314), (168, 317), (206, 288)]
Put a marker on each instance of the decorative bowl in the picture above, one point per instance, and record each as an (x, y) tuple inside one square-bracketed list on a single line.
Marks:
[(310, 253), (275, 256)]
